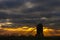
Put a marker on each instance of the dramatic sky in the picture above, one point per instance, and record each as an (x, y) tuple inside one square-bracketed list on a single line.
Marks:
[(31, 12)]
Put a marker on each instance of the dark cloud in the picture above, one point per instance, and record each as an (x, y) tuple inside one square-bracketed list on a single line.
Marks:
[(32, 11), (3, 15), (10, 4)]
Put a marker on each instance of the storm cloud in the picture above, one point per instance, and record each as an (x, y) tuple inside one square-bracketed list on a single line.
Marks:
[(32, 11)]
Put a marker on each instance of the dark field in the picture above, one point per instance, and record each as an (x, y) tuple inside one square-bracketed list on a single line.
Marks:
[(27, 38)]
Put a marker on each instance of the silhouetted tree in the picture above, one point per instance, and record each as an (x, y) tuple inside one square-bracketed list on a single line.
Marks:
[(40, 31)]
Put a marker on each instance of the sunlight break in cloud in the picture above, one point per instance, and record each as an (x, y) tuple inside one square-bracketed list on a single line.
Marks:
[(25, 30), (29, 5), (51, 32)]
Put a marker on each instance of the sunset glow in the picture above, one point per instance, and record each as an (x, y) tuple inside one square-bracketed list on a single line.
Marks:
[(50, 32), (28, 31)]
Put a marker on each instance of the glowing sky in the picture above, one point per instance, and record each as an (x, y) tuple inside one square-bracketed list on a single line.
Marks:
[(26, 31), (16, 13)]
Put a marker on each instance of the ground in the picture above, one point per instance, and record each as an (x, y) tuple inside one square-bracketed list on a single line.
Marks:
[(27, 38)]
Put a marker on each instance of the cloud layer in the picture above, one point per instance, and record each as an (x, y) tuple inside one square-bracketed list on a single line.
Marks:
[(32, 11)]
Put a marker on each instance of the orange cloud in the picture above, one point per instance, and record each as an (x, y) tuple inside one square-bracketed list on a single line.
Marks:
[(28, 31), (19, 31), (51, 32)]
